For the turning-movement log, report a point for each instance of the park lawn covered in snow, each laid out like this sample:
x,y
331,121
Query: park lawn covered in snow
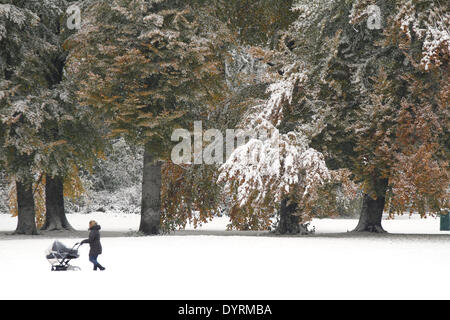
x,y
235,267
118,222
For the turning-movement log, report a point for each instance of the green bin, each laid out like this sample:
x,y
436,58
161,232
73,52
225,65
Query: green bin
x,y
445,222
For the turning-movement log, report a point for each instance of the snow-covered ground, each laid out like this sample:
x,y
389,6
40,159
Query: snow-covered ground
x,y
130,222
235,267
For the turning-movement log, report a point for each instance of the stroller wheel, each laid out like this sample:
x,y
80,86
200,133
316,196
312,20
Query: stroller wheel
x,y
74,268
60,268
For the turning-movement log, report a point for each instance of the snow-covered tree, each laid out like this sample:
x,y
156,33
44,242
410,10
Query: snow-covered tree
x,y
27,49
381,96
190,193
43,134
276,167
371,99
148,67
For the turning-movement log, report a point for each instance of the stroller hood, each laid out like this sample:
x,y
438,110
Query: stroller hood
x,y
58,248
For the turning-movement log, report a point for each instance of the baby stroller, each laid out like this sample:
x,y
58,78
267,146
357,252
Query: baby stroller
x,y
59,256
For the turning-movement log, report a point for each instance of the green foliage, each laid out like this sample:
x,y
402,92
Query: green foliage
x,y
359,84
27,57
256,22
42,128
189,194
148,66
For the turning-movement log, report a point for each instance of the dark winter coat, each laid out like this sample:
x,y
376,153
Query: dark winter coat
x,y
94,241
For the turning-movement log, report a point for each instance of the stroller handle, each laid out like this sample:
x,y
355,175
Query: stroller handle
x,y
76,245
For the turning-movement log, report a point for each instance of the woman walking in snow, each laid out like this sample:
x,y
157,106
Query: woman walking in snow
x,y
94,243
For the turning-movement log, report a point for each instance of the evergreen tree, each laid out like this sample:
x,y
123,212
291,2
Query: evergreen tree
x,y
28,49
256,22
149,67
380,94
190,193
371,99
43,133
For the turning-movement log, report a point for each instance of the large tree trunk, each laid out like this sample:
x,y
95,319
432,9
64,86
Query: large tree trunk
x,y
372,210
151,195
26,223
289,223
55,217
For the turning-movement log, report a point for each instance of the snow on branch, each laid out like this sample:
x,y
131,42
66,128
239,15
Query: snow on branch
x,y
427,21
273,166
